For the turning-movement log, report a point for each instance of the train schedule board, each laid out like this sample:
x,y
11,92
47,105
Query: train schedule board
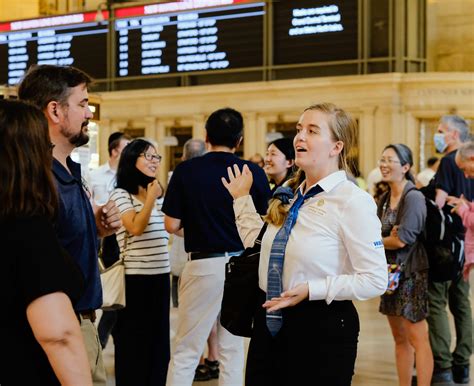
x,y
158,39
75,39
308,31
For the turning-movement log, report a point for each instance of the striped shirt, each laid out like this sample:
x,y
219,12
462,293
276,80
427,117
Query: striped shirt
x,y
146,254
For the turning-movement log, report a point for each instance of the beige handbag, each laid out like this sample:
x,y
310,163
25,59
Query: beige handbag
x,y
113,282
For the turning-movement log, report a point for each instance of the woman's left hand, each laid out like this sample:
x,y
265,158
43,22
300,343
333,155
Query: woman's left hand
x,y
288,298
239,182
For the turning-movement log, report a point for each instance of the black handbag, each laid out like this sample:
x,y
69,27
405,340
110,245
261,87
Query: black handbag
x,y
240,300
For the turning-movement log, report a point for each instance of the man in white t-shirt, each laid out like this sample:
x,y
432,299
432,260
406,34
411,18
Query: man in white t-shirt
x,y
102,179
102,183
425,176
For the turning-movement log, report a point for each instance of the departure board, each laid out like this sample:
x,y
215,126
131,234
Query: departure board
x,y
314,31
74,39
157,41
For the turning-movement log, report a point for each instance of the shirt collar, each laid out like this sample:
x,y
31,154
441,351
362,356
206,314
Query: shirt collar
x,y
107,168
329,182
62,173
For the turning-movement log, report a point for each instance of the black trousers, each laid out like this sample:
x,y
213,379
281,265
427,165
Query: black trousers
x,y
317,345
142,332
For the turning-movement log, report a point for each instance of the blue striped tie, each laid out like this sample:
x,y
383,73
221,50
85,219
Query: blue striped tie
x,y
277,256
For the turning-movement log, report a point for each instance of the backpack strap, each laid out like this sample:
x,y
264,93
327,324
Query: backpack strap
x,y
402,203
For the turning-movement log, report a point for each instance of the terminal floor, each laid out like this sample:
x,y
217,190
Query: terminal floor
x,y
375,364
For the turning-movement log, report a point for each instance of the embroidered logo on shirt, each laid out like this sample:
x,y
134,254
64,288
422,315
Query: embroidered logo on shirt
x,y
317,207
378,244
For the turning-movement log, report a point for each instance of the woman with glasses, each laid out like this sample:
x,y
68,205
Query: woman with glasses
x,y
141,335
402,211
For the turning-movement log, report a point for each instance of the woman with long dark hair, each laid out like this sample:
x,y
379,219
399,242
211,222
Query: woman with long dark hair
x,y
41,340
142,332
402,211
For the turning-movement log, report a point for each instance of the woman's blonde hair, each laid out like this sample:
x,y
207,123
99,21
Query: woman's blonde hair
x,y
343,128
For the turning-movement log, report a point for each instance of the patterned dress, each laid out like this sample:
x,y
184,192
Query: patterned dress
x,y
410,299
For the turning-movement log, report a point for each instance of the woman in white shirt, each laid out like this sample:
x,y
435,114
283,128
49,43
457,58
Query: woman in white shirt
x,y
141,334
333,255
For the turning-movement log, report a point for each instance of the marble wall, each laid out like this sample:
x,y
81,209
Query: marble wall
x,y
450,35
389,108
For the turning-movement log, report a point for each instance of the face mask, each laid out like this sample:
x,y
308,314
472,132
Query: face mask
x,y
439,142
144,180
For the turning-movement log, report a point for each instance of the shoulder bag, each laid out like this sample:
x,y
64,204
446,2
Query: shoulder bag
x,y
113,281
239,302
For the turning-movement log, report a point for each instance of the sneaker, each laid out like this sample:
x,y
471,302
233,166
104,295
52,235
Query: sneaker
x,y
201,374
442,376
461,374
213,368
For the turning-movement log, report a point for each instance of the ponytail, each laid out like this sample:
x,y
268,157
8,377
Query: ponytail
x,y
279,205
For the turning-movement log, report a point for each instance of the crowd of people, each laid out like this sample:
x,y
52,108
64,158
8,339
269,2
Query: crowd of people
x,y
315,258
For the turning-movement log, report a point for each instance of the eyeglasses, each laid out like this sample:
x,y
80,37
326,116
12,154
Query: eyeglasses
x,y
389,161
151,157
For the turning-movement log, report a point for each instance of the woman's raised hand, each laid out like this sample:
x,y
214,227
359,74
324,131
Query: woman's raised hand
x,y
154,189
239,182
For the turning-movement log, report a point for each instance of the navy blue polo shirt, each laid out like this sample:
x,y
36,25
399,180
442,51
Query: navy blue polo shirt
x,y
197,196
77,232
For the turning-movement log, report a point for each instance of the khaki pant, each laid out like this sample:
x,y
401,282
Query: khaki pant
x,y
94,352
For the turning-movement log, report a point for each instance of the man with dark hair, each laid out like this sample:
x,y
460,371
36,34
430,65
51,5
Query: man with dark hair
x,y
424,177
197,201
102,179
453,131
62,94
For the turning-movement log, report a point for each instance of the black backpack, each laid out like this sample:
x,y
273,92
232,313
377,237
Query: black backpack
x,y
442,238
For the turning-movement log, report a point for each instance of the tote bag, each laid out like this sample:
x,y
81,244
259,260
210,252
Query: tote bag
x,y
113,282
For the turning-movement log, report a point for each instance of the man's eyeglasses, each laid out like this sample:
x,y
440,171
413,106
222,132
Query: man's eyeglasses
x,y
389,161
151,157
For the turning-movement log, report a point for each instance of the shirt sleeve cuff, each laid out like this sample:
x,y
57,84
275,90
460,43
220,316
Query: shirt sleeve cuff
x,y
317,289
243,205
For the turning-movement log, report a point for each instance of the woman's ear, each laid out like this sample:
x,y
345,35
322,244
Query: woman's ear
x,y
406,168
337,149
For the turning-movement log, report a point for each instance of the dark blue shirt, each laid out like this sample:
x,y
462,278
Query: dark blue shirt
x,y
77,232
197,196
451,179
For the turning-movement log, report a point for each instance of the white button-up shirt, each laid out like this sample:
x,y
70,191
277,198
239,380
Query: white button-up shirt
x,y
102,182
335,245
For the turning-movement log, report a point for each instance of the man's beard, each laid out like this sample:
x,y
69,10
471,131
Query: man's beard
x,y
80,138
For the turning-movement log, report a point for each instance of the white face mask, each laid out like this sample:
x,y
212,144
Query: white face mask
x,y
440,142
